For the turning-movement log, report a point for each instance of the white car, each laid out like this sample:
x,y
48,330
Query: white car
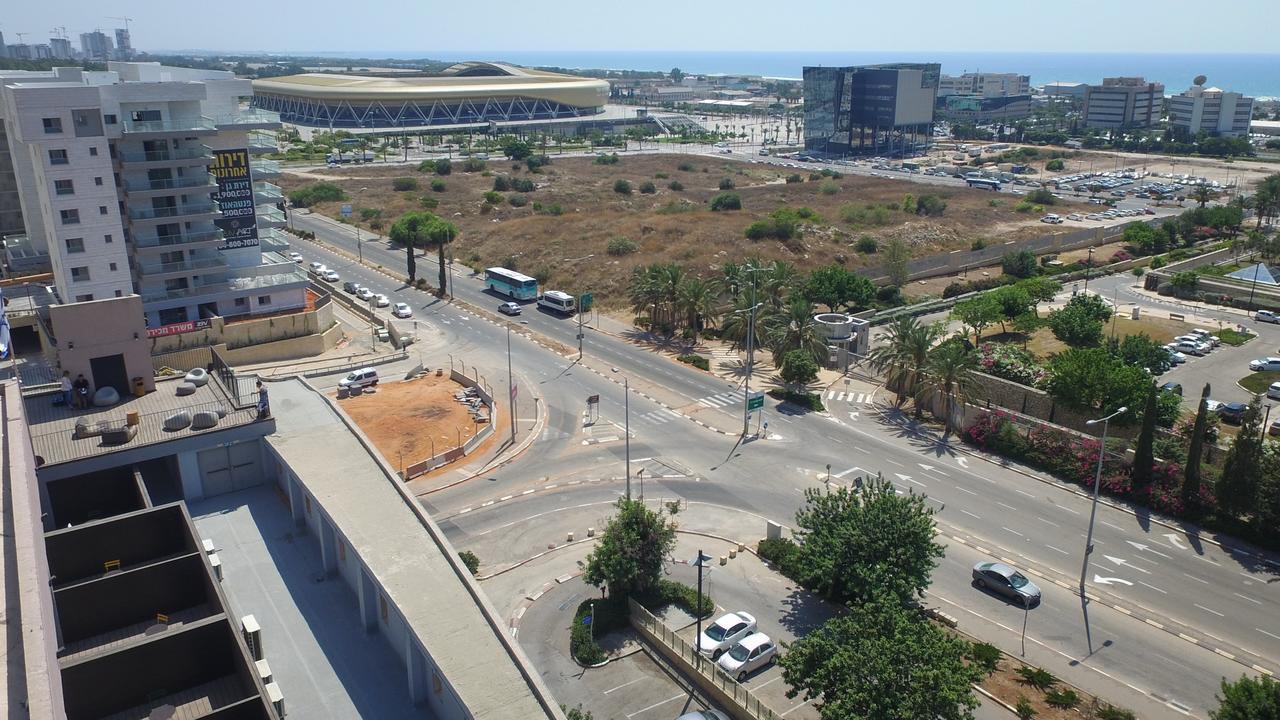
x,y
1266,316
401,310
381,300
751,654
1175,357
1267,364
1075,216
1191,347
1051,219
364,293
1195,339
725,632
362,378
1206,337
317,266
1273,391
296,257
329,276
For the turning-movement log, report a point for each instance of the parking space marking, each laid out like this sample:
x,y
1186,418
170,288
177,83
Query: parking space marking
x,y
633,682
794,707
664,702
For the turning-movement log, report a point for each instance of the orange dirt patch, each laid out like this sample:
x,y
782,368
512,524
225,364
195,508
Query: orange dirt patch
x,y
407,420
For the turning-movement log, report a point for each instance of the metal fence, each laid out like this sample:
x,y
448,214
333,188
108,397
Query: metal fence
x,y
678,650
182,360
240,390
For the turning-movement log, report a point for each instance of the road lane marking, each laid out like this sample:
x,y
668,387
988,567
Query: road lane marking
x,y
1153,587
966,490
795,707
1215,612
1007,507
1246,597
966,512
1193,577
1188,638
1113,527
1264,632
1064,552
775,679
530,490
1015,532
895,462
1024,492
633,682
1064,507
664,702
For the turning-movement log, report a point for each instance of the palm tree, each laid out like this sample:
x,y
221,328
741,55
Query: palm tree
x,y
776,281
737,321
904,354
793,328
1202,194
698,300
646,292
948,375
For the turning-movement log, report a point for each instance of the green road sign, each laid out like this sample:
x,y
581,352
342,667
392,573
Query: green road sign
x,y
584,302
755,402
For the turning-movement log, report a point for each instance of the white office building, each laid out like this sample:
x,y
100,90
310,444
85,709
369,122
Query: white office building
x,y
140,180
1122,103
1210,109
985,85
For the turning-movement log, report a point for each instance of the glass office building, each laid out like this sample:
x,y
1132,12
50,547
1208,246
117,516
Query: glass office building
x,y
870,109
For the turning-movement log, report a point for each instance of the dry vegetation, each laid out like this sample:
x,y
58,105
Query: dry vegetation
x,y
670,225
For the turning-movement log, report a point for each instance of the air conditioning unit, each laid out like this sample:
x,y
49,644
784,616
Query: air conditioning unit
x,y
252,636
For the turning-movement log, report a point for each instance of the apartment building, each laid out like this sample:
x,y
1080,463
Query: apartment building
x,y
1210,109
141,179
870,109
1122,103
985,85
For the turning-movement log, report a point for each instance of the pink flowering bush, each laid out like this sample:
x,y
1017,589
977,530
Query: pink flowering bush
x,y
1010,363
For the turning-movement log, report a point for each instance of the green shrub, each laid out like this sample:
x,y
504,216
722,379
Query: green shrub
x,y
493,198
537,162
437,185
866,244
375,224
829,188
811,401
518,200
316,193
1157,262
675,185
611,159
647,188
697,361
1138,271
794,178
660,176
978,244
524,185
369,213
427,166
1042,196
443,167
1111,712
429,203
1065,698
985,656
1024,207
1054,165
470,560
995,203
622,187
1023,709
404,184
1038,678
471,165
501,183
606,616
622,246
685,167
726,201
782,552
552,209
726,183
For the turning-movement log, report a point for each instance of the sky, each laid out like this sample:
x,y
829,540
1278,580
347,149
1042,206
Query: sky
x,y
432,26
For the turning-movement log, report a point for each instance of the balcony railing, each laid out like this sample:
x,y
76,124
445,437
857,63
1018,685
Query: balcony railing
x,y
248,117
220,283
264,167
166,154
174,211
263,142
265,191
192,265
273,240
178,239
171,125
271,216
170,184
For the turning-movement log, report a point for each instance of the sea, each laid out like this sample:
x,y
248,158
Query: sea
x,y
1257,75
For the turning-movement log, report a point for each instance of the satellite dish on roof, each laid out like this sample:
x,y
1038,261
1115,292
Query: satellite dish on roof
x,y
1200,80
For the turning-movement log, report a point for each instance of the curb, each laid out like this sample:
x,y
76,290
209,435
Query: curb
x,y
994,699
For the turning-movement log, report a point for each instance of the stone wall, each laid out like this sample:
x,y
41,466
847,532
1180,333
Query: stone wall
x,y
246,333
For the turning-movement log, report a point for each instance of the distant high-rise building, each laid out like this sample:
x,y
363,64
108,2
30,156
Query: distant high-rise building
x,y
61,48
42,52
987,85
124,48
4,52
1210,109
1121,103
95,45
21,51
870,109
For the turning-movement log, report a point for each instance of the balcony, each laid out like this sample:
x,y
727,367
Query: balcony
x,y
273,240
264,168
217,284
200,155
141,186
172,126
191,240
262,142
270,219
248,119
265,192
152,270
188,211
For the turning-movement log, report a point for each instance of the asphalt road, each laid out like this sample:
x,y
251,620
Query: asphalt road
x,y
1179,595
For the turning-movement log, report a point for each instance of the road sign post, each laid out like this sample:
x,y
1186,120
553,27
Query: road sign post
x,y
755,402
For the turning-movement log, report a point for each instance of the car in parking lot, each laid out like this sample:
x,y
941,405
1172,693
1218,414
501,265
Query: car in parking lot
x,y
725,632
1274,428
1273,390
317,266
748,655
1266,364
351,286
381,300
1051,219
1191,347
1232,412
1173,387
1005,580
1075,216
402,310
509,308
707,714
1175,357
1206,337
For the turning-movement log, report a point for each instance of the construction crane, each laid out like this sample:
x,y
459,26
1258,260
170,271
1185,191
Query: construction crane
x,y
60,32
22,37
125,19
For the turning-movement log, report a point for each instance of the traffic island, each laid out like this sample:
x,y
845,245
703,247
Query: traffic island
x,y
598,622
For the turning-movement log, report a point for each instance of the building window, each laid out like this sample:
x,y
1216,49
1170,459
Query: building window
x,y
84,298
52,125
93,151
70,217
119,293
64,187
264,299
241,302
57,157
109,119
80,274
107,239
102,209
97,181
112,267
75,245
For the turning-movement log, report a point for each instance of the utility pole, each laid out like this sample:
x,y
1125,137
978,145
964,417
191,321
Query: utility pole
x,y
751,336
511,383
626,405
1093,512
579,331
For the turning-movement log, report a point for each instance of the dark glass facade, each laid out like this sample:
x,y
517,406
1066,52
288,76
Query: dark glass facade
x,y
870,110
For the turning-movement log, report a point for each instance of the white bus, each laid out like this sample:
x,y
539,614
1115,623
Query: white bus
x,y
557,301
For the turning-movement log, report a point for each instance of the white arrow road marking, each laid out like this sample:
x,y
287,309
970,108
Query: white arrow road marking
x,y
964,462
1173,538
855,468
1098,579
926,467
909,479
1122,561
1147,548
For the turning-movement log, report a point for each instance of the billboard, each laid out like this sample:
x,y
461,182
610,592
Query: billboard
x,y
179,328
235,196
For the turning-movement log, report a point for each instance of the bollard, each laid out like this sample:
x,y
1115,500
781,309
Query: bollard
x,y
591,532
733,553
741,547
570,537
724,560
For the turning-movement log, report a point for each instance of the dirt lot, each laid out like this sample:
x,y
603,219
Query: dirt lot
x,y
406,420
671,225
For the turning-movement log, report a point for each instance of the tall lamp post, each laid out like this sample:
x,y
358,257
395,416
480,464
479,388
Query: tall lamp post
x,y
751,336
1093,510
701,561
359,244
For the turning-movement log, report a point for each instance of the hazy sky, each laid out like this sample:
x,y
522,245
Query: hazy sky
x,y
424,26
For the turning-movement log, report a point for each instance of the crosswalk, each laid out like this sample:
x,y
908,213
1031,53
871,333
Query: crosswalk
x,y
852,397
724,399
658,417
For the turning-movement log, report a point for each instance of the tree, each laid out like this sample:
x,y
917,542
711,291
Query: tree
x,y
1202,194
441,232
1075,326
676,75
865,543
881,660
798,368
948,376
977,313
1094,380
1248,699
697,300
1142,351
896,256
903,354
794,329
412,230
1020,264
1055,165
630,554
1191,479
515,148
1237,489
837,288
1013,300
1144,238
1143,457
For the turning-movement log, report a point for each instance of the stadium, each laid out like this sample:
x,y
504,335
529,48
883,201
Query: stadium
x,y
469,93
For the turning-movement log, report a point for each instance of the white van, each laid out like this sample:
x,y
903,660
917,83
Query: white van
x,y
557,301
362,378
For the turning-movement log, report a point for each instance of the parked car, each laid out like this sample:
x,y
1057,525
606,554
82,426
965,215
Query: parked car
x,y
707,714
1175,357
352,287
1173,387
1191,347
402,310
381,300
725,632
295,257
1274,428
1266,316
317,266
750,654
1273,391
1075,216
330,276
1265,364
1206,337
362,378
1051,219
1232,412
1003,579
365,294
509,308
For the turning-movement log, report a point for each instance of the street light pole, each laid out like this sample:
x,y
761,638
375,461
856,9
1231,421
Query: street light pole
x,y
751,336
626,411
1093,511
697,611
511,387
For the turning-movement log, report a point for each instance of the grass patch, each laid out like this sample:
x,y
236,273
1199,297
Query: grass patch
x,y
811,401
697,361
611,614
1258,382
1233,337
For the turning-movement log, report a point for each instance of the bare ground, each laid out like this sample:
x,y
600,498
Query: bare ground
x,y
407,420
